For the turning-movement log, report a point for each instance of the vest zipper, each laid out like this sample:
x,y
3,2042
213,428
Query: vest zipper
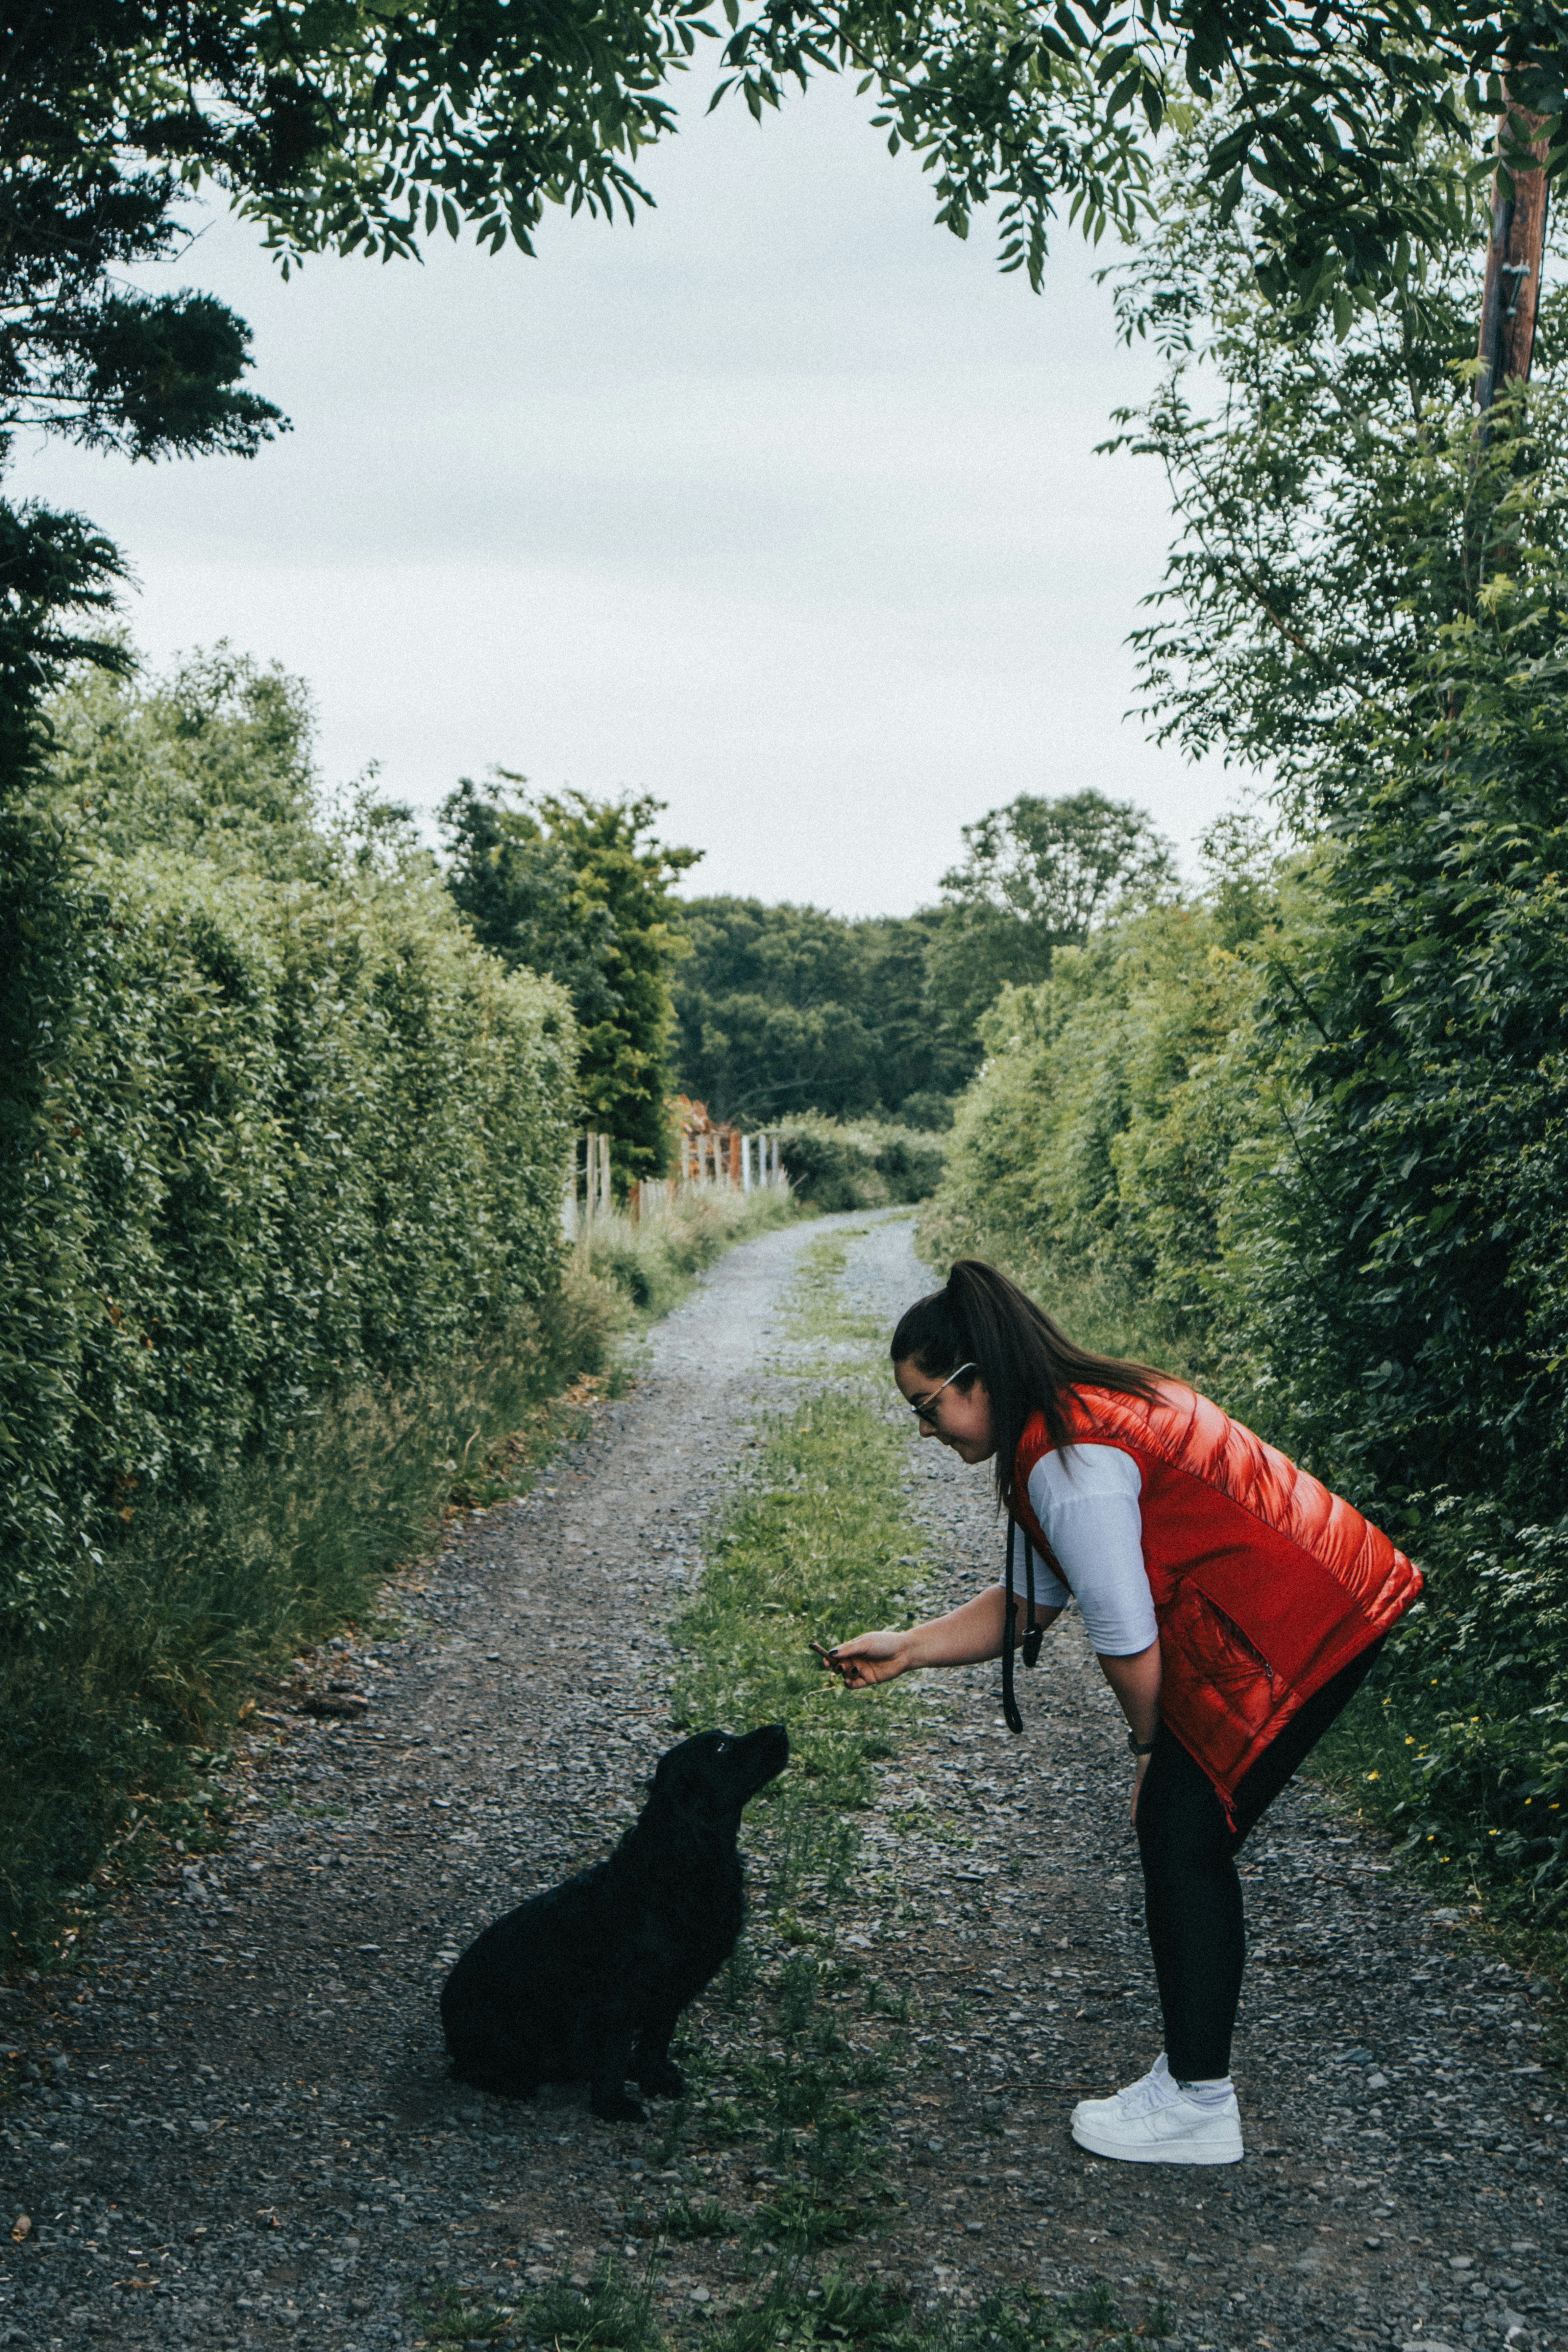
x,y
1232,1627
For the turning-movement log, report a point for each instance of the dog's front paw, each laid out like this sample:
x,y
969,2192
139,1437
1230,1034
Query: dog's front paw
x,y
618,2107
661,2078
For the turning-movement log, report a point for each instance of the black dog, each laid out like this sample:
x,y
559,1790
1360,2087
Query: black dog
x,y
589,1979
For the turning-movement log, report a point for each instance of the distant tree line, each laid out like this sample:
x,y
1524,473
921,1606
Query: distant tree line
x,y
762,1012
782,1009
772,1010
787,1008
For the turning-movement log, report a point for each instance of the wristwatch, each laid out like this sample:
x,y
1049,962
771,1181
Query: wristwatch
x,y
1139,1747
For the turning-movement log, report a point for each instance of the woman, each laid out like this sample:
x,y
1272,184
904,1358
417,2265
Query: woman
x,y
1234,1605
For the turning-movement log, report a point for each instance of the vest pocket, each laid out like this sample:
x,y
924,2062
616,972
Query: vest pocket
x,y
1235,1637
1220,1691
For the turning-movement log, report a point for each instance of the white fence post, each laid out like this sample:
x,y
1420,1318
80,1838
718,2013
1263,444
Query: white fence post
x,y
746,1163
587,1193
569,1194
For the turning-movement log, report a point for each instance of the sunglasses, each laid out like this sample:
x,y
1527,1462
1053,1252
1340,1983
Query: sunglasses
x,y
926,1413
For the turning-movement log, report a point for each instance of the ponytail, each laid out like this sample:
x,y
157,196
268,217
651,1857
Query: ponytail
x,y
1025,1360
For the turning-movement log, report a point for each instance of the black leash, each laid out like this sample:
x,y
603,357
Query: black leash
x,y
1033,1634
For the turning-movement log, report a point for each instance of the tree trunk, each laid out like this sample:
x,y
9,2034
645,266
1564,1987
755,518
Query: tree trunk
x,y
1513,262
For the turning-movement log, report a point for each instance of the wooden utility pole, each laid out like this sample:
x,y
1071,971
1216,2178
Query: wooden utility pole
x,y
1518,238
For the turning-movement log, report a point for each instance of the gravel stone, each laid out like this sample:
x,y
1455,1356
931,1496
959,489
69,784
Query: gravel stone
x,y
233,2125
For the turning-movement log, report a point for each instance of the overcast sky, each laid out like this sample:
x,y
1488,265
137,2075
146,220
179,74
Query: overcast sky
x,y
781,505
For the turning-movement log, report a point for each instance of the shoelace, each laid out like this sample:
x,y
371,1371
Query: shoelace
x,y
1153,2091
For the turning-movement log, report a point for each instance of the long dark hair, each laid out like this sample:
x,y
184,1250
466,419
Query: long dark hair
x,y
1025,1360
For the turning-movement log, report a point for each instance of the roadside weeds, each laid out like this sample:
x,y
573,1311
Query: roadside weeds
x,y
114,1725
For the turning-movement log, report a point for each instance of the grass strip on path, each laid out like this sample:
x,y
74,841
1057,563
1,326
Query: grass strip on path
x,y
819,1544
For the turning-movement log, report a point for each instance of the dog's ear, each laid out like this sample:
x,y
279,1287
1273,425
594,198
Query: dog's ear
x,y
688,1776
672,1775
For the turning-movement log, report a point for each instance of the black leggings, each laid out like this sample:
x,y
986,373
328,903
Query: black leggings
x,y
1192,1894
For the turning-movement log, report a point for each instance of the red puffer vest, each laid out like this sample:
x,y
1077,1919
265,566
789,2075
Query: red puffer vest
x,y
1264,1584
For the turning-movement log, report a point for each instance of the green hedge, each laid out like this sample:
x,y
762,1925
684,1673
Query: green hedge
x,y
834,1166
262,1140
1095,1151
1140,1153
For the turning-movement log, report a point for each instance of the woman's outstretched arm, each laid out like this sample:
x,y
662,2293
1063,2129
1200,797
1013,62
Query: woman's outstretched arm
x,y
960,1639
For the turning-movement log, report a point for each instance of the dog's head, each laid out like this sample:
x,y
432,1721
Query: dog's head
x,y
713,1776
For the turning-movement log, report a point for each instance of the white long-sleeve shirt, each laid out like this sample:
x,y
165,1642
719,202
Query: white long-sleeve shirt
x,y
1086,1498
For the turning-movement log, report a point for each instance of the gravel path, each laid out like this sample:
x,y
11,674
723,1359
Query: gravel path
x,y
233,2125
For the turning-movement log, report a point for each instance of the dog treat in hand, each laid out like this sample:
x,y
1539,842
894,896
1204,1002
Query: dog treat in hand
x,y
587,1982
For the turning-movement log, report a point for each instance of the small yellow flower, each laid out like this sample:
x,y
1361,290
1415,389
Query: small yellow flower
x,y
1410,1740
1374,1776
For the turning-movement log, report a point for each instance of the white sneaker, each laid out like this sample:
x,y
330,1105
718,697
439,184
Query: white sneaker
x,y
1154,2121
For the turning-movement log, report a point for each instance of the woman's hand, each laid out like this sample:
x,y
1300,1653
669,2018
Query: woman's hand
x,y
962,1638
869,1658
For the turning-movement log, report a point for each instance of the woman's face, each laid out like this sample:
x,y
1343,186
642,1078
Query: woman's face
x,y
959,1417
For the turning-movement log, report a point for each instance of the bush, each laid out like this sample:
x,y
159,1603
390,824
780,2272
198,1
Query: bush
x,y
281,1274
650,1261
108,1717
263,1143
1400,1263
1321,1173
104,1714
1396,1271
833,1166
1092,1154
929,1111
1461,1744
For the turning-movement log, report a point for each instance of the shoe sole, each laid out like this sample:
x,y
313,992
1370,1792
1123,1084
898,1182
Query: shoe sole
x,y
1174,2151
